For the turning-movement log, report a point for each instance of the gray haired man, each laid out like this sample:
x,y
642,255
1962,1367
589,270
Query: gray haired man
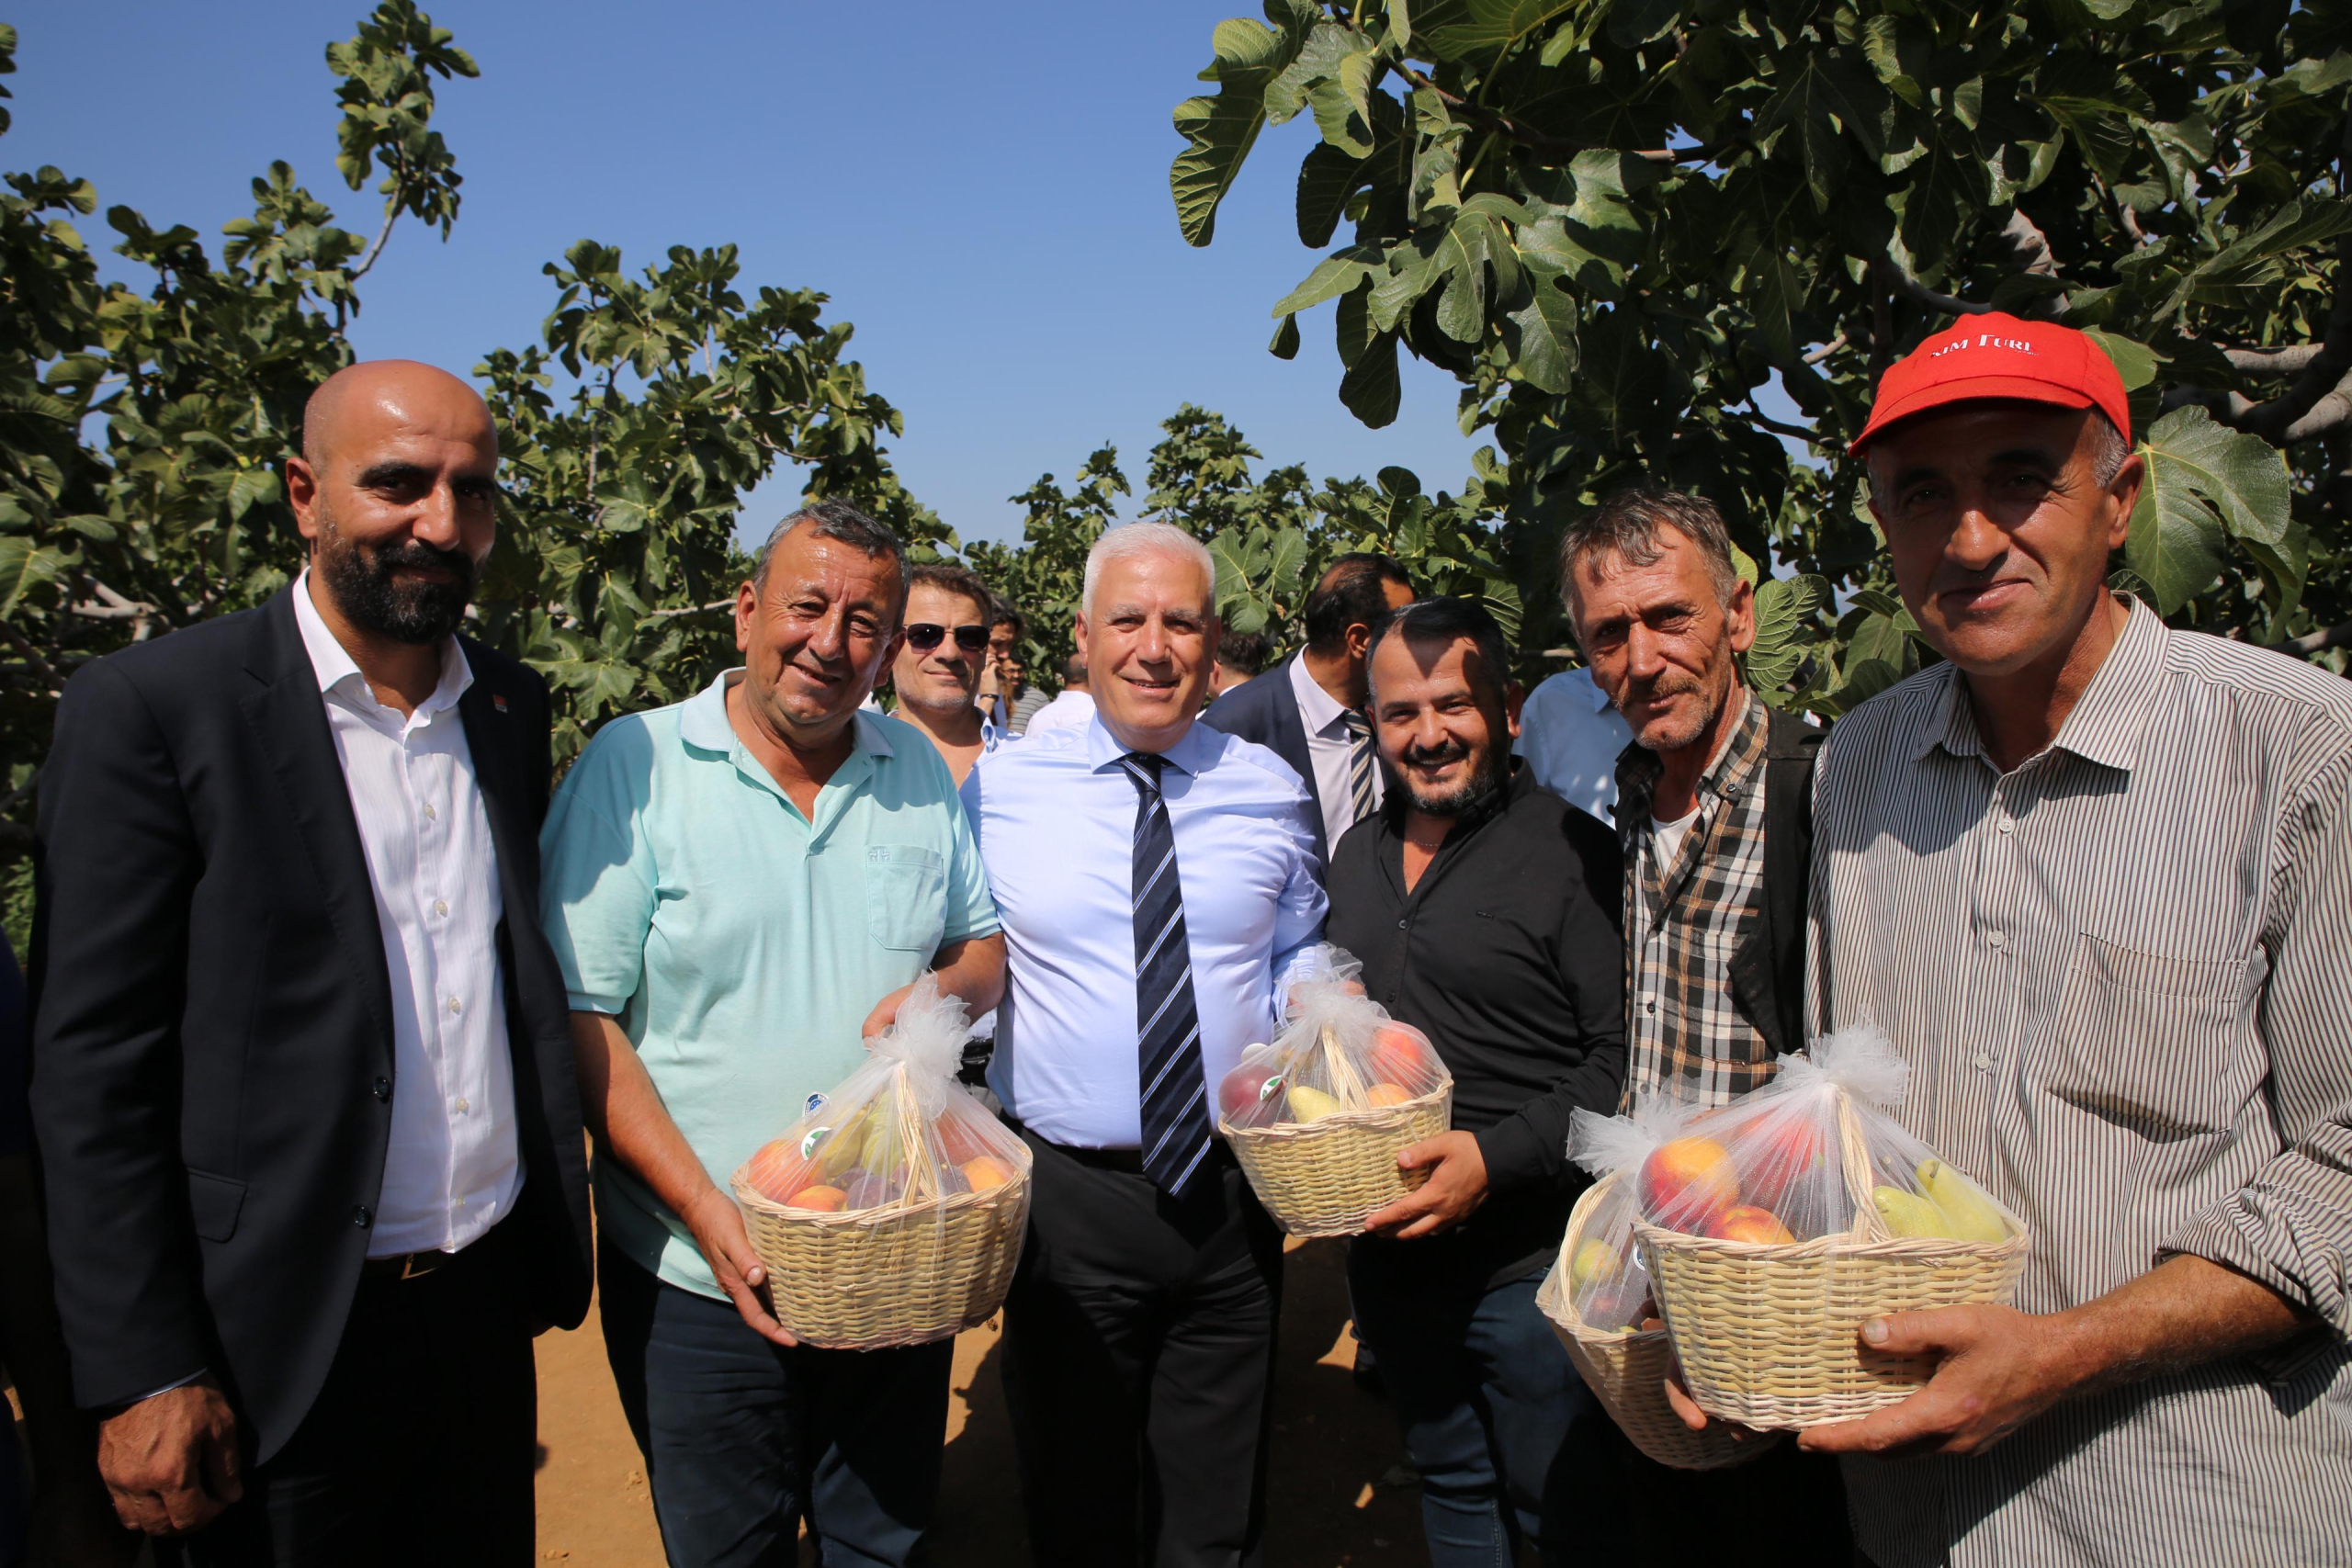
x,y
1714,808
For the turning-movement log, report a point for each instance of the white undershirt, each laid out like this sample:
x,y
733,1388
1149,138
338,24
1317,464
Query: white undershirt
x,y
1666,838
451,1168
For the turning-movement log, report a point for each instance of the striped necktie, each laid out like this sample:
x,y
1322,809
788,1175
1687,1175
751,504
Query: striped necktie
x,y
1168,1026
1359,764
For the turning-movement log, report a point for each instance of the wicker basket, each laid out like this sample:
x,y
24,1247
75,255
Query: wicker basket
x,y
1326,1177
1769,1335
1627,1368
923,1268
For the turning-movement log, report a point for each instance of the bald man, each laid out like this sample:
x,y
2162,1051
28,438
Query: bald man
x,y
302,1060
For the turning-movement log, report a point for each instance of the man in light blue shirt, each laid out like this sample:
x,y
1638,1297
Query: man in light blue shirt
x,y
1158,882
1571,739
740,888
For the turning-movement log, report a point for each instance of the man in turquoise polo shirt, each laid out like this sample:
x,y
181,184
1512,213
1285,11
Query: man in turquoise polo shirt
x,y
740,888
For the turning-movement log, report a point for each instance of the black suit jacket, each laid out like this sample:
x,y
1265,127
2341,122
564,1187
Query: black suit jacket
x,y
1264,709
212,1037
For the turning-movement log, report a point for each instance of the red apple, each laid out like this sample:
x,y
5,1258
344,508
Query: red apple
x,y
1746,1221
1246,1087
1778,1157
1686,1183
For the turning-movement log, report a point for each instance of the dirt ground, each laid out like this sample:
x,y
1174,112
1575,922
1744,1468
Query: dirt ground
x,y
1341,1494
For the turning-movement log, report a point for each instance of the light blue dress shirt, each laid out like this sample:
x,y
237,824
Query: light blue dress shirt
x,y
1055,817
740,943
1571,737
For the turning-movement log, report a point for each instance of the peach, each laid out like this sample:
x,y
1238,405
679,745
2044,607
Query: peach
x,y
1746,1221
986,1173
1686,1183
821,1197
777,1169
1387,1094
1400,1055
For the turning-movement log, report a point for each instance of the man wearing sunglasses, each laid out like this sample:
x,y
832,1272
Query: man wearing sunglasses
x,y
937,671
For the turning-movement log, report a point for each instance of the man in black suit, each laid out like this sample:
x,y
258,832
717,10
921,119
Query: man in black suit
x,y
302,1059
1309,710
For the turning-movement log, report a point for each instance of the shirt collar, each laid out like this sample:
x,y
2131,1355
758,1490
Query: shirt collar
x,y
1315,706
333,665
702,723
1726,776
2105,723
1591,689
1193,752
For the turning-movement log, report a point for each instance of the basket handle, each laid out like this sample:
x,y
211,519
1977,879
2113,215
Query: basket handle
x,y
1854,1152
922,1172
1344,1076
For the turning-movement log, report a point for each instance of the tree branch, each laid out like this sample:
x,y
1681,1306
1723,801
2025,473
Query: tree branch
x,y
1503,125
1825,350
689,610
1918,293
1762,421
2273,361
42,667
2316,642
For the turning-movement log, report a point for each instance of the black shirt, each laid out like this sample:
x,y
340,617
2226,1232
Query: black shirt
x,y
1507,955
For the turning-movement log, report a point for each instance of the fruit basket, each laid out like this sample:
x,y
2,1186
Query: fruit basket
x,y
1776,1226
893,1211
1623,1363
1317,1118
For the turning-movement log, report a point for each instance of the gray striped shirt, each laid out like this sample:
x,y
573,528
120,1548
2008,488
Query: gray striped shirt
x,y
2123,974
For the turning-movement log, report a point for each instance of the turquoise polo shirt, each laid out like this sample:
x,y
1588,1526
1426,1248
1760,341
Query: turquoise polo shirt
x,y
740,943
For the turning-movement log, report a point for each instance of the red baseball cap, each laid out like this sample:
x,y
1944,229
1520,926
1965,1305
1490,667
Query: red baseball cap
x,y
1997,355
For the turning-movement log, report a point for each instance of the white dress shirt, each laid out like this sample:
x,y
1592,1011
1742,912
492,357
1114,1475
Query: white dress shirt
x,y
1074,709
1329,748
1055,821
452,1168
1571,737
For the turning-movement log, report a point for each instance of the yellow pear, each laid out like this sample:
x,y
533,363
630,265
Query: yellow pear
x,y
1907,1213
1972,1217
1592,1260
1312,1104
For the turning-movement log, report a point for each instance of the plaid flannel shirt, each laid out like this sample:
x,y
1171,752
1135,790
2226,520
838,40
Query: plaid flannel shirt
x,y
1685,1032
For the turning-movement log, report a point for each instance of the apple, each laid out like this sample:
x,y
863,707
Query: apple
x,y
1746,1221
1593,1262
1686,1183
1247,1087
1777,1158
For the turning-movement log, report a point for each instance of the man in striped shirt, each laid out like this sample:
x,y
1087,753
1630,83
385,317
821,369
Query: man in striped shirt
x,y
2093,877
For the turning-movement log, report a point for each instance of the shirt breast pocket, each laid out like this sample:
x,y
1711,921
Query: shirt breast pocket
x,y
2149,1042
906,896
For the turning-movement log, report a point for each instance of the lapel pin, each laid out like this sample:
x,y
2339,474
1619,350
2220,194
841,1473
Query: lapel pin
x,y
499,702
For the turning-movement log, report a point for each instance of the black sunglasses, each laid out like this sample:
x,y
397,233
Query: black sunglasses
x,y
924,636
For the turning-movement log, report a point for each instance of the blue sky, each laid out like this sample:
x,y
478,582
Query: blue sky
x,y
981,189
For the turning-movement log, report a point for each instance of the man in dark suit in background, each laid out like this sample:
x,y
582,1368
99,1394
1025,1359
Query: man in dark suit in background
x,y
302,1060
1309,710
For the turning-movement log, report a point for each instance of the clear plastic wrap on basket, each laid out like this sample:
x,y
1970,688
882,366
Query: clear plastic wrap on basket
x,y
1317,1116
1774,1227
1598,1294
892,1212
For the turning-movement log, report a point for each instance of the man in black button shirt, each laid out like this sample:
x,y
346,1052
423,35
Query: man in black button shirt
x,y
1485,910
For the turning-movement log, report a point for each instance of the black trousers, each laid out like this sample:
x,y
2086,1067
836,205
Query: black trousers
x,y
420,1448
1138,1344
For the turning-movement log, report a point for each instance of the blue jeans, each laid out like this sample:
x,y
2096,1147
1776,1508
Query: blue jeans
x,y
1494,1415
743,1438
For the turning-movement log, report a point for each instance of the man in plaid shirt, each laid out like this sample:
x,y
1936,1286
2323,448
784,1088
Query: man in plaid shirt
x,y
1713,797
1715,810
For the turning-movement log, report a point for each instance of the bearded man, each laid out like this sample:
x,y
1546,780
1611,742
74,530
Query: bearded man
x,y
1484,911
302,1064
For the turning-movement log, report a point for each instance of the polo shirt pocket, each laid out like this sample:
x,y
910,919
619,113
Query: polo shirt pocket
x,y
906,896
